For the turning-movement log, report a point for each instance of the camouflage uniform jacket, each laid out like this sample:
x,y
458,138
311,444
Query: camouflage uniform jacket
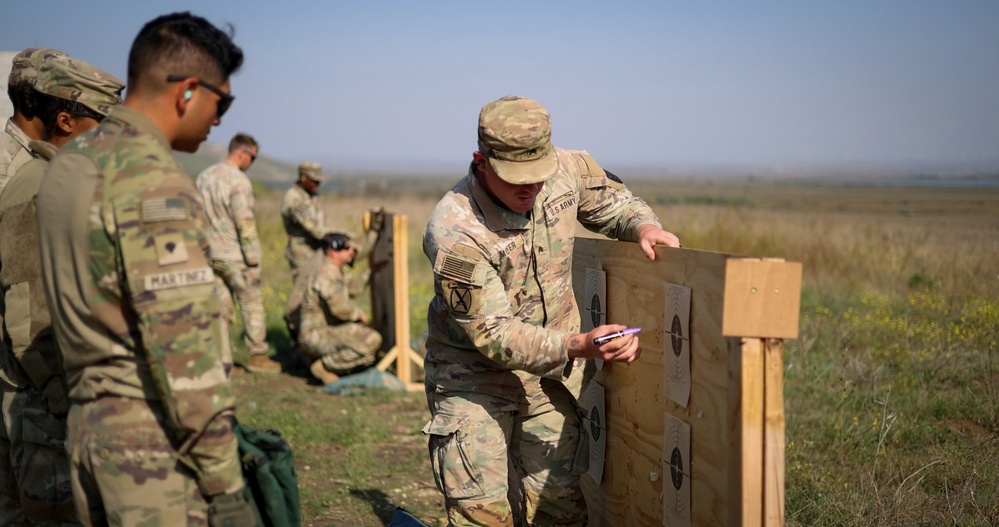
x,y
125,260
30,357
228,199
304,221
328,298
503,305
14,152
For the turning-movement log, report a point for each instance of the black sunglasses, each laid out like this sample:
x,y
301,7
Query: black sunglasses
x,y
225,99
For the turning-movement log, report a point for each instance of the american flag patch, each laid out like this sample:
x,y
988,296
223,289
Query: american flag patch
x,y
457,268
164,209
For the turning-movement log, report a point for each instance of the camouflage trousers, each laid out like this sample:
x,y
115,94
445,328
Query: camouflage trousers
x,y
231,280
11,512
37,458
500,463
342,348
124,469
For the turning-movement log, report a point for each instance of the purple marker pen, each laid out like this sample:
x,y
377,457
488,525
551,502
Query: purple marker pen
x,y
604,339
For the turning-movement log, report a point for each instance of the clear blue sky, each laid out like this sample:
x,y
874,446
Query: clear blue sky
x,y
657,83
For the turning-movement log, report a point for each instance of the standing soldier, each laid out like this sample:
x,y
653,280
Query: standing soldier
x,y
23,126
304,221
72,97
20,129
503,323
334,331
125,260
236,257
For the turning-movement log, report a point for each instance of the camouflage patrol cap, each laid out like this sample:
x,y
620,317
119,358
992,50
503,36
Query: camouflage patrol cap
x,y
24,66
515,133
311,170
75,80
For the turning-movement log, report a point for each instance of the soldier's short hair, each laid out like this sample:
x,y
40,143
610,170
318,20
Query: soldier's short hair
x,y
23,98
242,140
182,44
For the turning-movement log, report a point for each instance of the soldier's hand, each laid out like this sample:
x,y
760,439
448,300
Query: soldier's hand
x,y
231,510
252,276
649,236
623,349
57,395
377,220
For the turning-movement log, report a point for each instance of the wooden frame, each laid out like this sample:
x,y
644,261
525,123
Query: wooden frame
x,y
740,309
390,298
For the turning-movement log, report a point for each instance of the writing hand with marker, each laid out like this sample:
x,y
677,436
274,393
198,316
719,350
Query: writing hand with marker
x,y
610,342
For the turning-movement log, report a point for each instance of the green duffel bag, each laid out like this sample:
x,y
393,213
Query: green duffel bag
x,y
269,469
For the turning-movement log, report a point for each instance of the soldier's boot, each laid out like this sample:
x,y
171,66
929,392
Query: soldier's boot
x,y
320,372
263,364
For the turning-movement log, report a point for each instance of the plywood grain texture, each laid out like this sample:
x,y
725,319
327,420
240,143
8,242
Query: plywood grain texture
x,y
736,402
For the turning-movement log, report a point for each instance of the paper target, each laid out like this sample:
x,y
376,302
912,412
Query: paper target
x,y
676,467
595,424
595,296
596,299
676,360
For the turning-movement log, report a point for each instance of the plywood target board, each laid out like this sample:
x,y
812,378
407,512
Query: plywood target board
x,y
733,410
383,308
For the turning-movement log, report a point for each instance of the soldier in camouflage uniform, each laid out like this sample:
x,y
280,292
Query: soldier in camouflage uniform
x,y
126,269
303,217
73,98
334,331
504,353
21,128
236,256
355,283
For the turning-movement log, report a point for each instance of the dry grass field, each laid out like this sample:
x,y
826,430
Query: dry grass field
x,y
892,388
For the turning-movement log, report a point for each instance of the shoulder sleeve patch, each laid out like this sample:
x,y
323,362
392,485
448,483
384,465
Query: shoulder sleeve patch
x,y
459,267
163,209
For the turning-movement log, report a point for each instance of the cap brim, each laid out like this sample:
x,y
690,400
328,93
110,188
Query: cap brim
x,y
526,172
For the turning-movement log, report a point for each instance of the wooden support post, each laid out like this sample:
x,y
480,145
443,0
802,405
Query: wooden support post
x,y
401,353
